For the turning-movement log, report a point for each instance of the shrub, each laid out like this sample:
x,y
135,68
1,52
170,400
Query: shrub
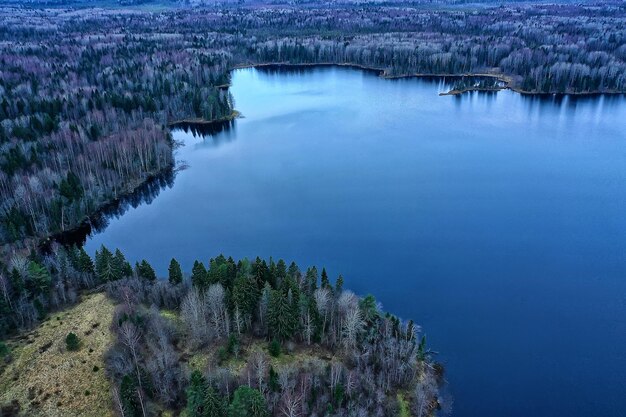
x,y
71,341
95,368
274,348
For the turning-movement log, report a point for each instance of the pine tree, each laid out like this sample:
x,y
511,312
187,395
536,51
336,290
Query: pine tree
x,y
293,271
72,342
121,266
39,278
311,280
282,317
199,278
84,262
105,267
145,271
339,285
261,273
273,382
214,405
71,188
281,272
231,274
245,295
369,308
247,402
325,283
290,285
128,394
222,271
174,272
196,395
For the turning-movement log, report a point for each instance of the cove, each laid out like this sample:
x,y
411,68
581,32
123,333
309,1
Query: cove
x,y
495,220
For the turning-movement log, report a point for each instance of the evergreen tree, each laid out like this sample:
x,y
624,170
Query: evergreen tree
x,y
281,272
231,273
199,278
84,262
196,395
174,272
261,273
369,308
72,342
290,286
325,283
70,187
222,271
421,349
310,317
273,382
145,271
310,280
128,394
293,271
214,404
39,278
339,285
245,295
247,402
121,266
282,317
105,266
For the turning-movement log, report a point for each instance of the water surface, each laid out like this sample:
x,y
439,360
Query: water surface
x,y
497,221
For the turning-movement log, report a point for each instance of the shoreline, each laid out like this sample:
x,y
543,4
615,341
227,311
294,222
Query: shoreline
x,y
86,224
204,122
382,73
42,243
89,220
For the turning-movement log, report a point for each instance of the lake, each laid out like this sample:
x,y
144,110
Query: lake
x,y
496,221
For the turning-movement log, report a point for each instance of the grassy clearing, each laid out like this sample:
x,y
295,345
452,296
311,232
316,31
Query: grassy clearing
x,y
48,380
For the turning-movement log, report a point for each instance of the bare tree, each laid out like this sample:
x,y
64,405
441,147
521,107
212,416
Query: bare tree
x,y
291,404
217,308
193,312
130,337
353,325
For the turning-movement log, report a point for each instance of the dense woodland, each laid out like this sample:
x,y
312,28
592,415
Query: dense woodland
x,y
86,95
83,118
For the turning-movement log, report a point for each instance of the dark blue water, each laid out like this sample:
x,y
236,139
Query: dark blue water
x,y
496,221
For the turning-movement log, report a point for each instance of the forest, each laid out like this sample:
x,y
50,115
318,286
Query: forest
x,y
88,99
88,95
235,338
